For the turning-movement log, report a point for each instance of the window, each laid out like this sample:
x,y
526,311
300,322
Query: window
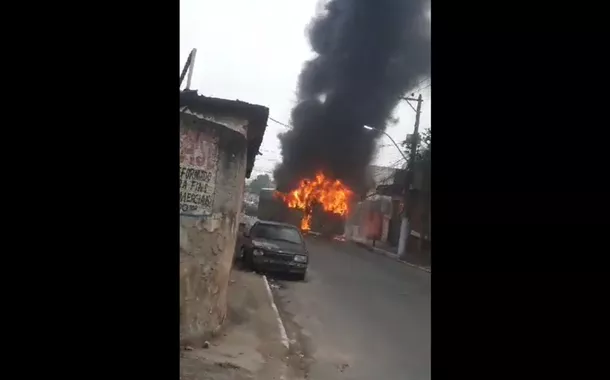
x,y
271,232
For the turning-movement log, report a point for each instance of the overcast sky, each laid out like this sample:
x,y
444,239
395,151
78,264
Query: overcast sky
x,y
253,50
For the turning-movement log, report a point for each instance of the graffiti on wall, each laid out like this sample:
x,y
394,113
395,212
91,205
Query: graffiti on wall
x,y
198,164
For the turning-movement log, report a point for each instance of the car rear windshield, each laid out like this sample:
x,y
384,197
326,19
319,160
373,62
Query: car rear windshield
x,y
267,231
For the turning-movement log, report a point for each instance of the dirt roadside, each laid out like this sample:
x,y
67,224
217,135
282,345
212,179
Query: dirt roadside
x,y
249,343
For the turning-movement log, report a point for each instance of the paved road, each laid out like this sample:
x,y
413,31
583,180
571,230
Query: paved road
x,y
359,315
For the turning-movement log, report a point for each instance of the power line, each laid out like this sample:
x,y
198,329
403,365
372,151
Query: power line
x,y
280,123
420,83
393,165
380,146
417,88
423,88
384,181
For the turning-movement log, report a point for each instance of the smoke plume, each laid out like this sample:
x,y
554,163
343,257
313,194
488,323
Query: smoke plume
x,y
369,54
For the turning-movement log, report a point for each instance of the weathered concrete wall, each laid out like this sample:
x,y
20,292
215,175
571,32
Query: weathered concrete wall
x,y
372,214
212,170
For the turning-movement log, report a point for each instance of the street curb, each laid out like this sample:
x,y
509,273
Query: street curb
x,y
394,257
390,255
283,334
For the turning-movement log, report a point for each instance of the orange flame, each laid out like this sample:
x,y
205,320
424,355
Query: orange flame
x,y
306,222
333,195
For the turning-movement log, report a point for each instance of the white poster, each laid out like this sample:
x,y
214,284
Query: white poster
x,y
198,164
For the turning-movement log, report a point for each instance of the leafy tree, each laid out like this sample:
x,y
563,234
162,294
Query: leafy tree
x,y
260,182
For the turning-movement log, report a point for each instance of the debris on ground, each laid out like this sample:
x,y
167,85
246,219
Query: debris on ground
x,y
274,284
206,344
227,365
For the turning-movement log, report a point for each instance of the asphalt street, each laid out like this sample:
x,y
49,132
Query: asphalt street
x,y
358,315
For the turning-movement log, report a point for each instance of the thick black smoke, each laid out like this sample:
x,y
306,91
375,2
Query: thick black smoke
x,y
369,54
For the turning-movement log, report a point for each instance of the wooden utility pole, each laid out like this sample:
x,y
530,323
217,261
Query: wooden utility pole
x,y
406,225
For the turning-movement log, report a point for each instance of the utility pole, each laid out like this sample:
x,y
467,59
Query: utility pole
x,y
188,67
405,225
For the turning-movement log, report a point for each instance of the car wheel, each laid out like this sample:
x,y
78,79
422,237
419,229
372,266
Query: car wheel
x,y
300,276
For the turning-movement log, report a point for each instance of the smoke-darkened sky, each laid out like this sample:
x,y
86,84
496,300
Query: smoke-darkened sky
x,y
368,55
277,46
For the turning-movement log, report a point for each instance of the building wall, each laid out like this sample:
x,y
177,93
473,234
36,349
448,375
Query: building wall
x,y
212,170
369,218
358,224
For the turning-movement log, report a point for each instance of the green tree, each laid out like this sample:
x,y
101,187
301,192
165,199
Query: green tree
x,y
260,182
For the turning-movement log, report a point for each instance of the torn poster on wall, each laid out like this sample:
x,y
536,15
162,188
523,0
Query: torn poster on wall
x,y
198,164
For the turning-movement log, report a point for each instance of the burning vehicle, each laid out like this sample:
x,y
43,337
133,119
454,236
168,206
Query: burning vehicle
x,y
321,194
271,208
319,204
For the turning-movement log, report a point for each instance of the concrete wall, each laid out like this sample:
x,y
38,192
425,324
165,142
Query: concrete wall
x,y
357,223
212,170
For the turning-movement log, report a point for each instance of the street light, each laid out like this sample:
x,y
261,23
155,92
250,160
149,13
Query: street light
x,y
390,137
